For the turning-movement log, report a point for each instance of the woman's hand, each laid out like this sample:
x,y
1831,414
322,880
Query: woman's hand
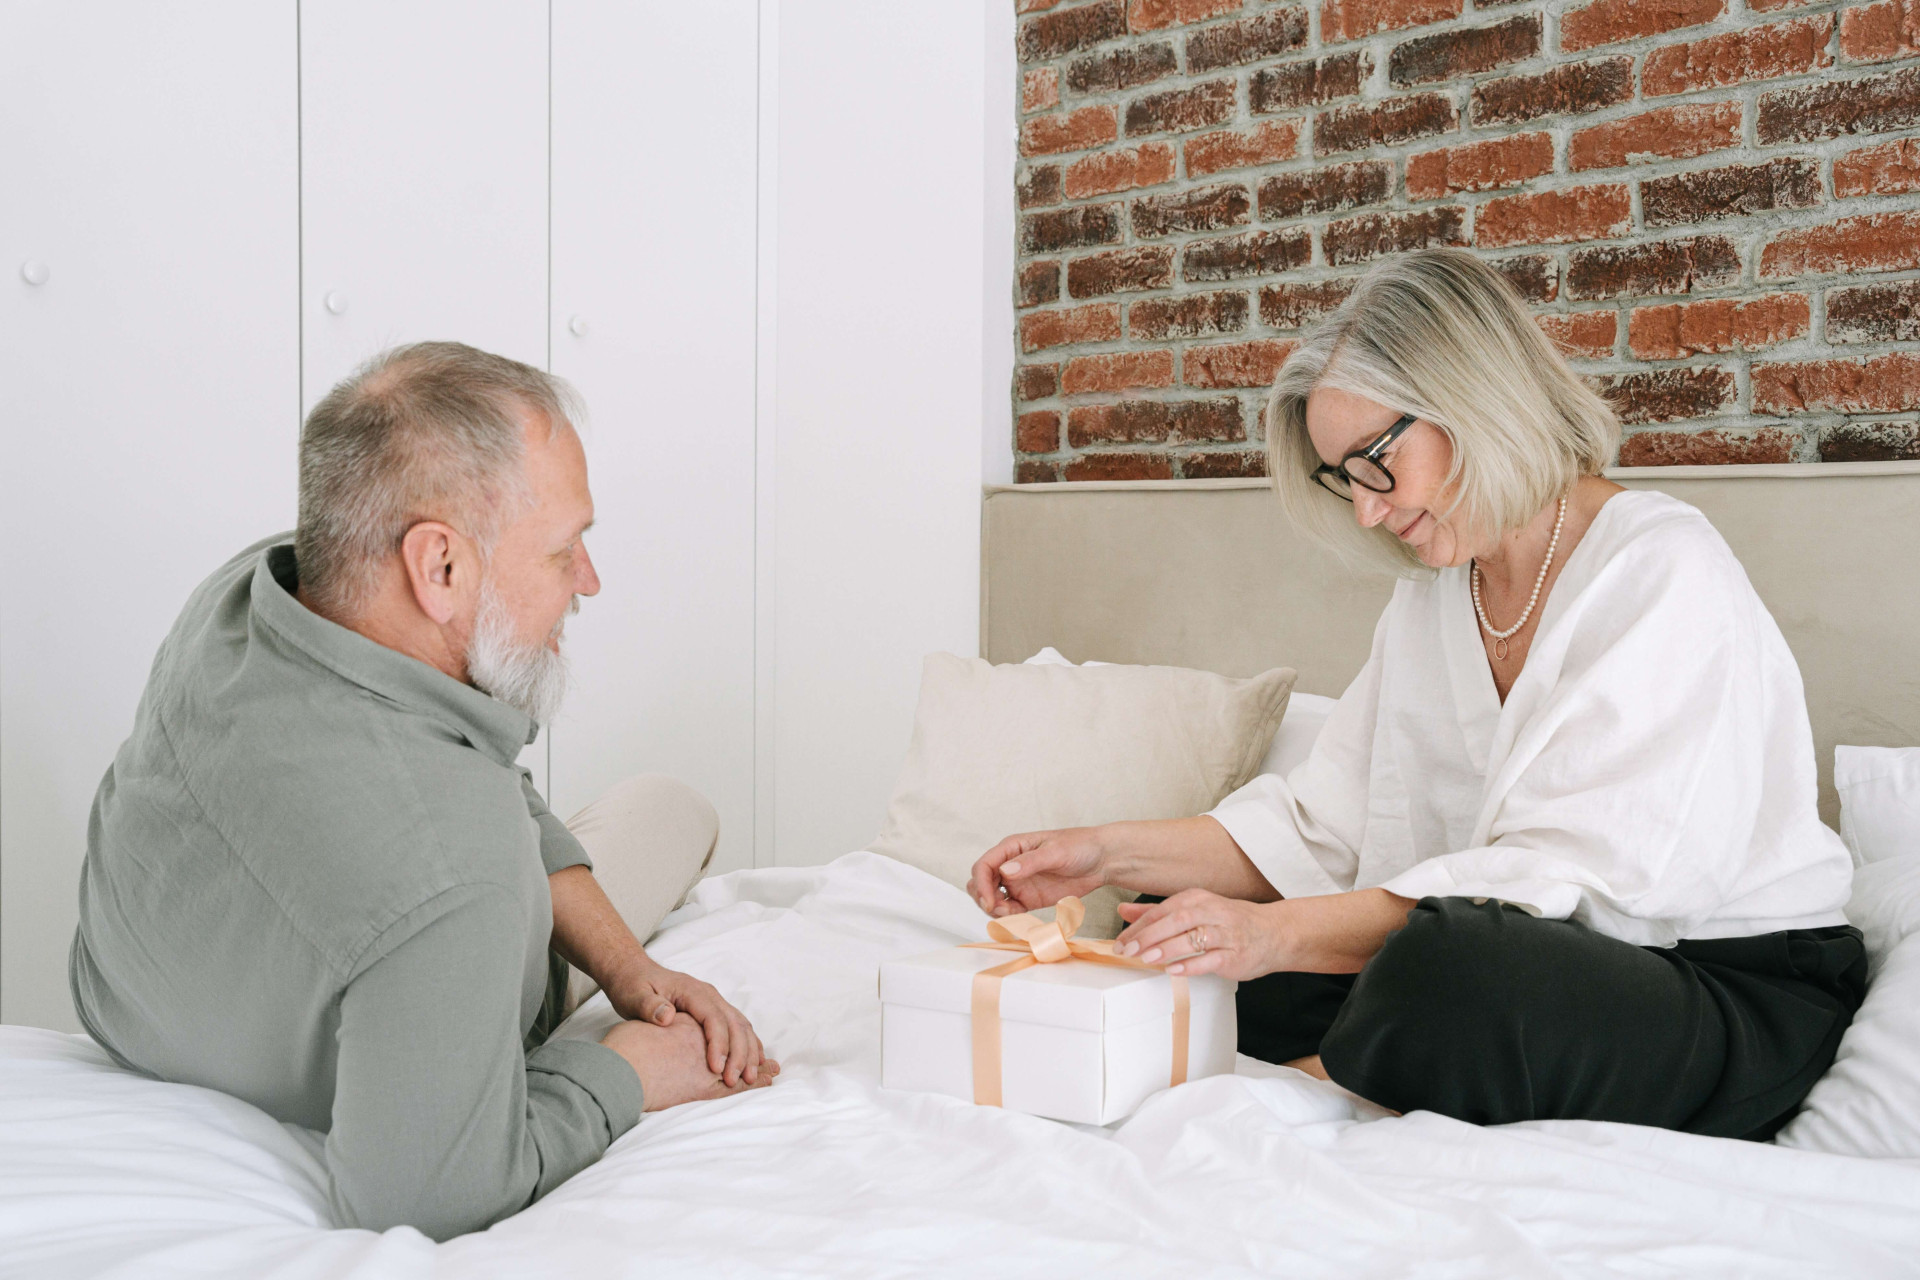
x,y
1196,932
1026,872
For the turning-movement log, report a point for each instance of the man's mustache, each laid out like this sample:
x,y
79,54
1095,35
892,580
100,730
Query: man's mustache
x,y
560,627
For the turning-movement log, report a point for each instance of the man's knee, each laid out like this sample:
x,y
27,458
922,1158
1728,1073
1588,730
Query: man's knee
x,y
685,819
650,838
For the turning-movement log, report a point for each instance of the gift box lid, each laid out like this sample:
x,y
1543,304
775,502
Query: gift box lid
x,y
1080,995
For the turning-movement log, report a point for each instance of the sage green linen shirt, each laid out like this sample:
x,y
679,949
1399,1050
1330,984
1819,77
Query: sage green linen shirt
x,y
316,880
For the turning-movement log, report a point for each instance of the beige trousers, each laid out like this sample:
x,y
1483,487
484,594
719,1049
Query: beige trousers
x,y
650,838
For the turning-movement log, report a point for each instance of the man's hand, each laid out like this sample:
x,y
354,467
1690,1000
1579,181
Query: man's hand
x,y
590,935
668,1061
654,994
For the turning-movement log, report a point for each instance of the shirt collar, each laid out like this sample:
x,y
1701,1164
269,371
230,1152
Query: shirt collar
x,y
487,724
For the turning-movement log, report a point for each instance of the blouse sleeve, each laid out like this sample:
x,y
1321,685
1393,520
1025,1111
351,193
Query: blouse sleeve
x,y
1303,832
1631,791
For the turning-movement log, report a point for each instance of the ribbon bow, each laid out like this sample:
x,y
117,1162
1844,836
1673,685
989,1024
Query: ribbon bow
x,y
1049,942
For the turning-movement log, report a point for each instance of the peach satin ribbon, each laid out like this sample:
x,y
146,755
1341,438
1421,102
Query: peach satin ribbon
x,y
1049,942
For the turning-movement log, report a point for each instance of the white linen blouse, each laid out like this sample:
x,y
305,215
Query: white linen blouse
x,y
1650,774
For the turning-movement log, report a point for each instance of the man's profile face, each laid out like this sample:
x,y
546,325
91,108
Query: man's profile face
x,y
541,563
539,570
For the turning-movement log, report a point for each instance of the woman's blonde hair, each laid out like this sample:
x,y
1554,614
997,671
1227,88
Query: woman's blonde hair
x,y
1441,335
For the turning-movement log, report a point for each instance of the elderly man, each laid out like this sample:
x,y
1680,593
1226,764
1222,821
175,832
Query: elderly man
x,y
316,879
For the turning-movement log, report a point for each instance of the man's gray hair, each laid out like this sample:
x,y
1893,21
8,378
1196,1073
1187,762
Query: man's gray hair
x,y
429,431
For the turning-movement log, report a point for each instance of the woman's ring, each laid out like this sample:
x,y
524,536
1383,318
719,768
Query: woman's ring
x,y
1197,939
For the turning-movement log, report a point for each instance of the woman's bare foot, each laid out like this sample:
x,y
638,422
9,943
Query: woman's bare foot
x,y
671,1062
1311,1066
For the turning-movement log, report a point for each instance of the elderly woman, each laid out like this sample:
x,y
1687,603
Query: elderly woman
x,y
1555,854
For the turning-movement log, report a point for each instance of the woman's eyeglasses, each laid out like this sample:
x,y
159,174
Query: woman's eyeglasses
x,y
1363,466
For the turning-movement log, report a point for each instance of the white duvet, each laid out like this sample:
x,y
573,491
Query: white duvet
x,y
106,1174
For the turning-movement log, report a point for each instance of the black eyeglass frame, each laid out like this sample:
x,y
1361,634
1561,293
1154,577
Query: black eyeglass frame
x,y
1328,476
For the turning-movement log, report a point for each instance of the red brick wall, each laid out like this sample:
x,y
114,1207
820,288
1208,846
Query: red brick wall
x,y
1714,206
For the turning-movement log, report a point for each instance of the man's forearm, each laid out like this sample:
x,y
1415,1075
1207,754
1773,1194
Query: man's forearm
x,y
592,937
589,934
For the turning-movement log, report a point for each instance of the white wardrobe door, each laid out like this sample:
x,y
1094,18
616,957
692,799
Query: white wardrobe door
x,y
423,135
423,199
149,354
654,121
878,456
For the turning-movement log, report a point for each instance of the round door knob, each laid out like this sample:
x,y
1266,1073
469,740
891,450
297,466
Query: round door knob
x,y
335,301
33,271
577,327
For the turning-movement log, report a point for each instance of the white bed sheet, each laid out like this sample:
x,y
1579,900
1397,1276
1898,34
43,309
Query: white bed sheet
x,y
103,1173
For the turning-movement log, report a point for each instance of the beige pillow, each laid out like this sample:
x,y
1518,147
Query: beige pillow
x,y
999,750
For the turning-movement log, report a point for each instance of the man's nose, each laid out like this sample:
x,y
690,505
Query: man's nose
x,y
1369,508
586,579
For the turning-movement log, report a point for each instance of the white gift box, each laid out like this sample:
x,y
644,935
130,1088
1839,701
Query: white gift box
x,y
1080,1040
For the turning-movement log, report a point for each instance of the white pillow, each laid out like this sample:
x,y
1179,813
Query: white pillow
x,y
1052,657
1879,800
1868,1104
1306,715
997,750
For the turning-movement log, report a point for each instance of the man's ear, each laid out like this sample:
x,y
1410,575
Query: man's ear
x,y
439,563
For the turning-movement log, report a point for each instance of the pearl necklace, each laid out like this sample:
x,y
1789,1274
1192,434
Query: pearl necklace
x,y
1473,579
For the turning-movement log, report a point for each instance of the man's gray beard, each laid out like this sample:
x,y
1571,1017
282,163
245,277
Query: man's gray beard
x,y
529,678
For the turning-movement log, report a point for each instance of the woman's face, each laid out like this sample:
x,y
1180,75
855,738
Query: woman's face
x,y
1339,422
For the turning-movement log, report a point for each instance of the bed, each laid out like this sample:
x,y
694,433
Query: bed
x,y
103,1173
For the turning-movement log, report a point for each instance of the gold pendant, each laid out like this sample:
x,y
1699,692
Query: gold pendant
x,y
1500,650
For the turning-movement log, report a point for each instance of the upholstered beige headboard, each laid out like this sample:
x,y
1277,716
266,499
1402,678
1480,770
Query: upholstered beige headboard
x,y
1206,573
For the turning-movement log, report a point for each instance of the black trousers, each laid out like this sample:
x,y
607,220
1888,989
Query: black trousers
x,y
1490,1015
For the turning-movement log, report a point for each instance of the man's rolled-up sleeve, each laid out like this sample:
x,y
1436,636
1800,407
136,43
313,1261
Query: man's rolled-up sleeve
x,y
440,1120
559,847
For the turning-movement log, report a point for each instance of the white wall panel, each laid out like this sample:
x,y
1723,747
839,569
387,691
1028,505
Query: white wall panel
x,y
654,170
766,379
790,296
150,385
879,452
1000,154
423,136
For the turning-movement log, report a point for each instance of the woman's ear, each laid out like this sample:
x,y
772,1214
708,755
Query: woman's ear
x,y
441,569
